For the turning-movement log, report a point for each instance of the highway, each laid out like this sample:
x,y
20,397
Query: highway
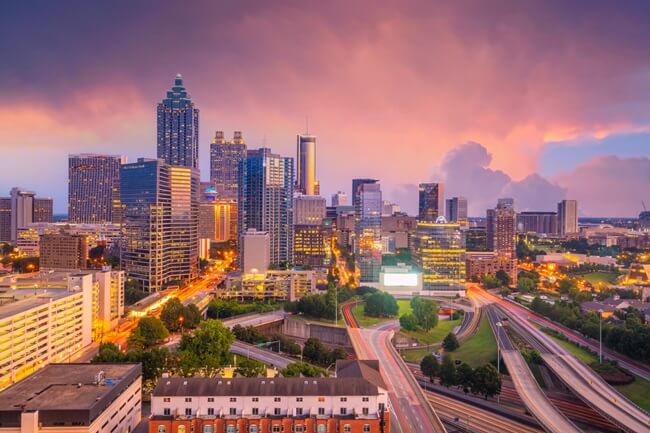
x,y
262,355
254,319
582,380
549,417
413,413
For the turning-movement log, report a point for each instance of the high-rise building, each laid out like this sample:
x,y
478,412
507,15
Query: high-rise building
x,y
5,219
399,228
255,252
306,164
265,200
63,251
178,128
537,222
43,210
501,229
309,234
367,211
160,222
22,210
225,157
456,210
308,209
94,188
439,251
389,208
339,199
218,220
476,239
431,201
567,216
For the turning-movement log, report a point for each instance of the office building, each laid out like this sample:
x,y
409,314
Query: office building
x,y
541,223
456,210
389,208
94,188
22,210
160,222
345,229
109,298
272,285
401,280
354,401
399,227
476,239
19,210
306,164
431,203
28,240
367,243
308,209
311,245
63,251
80,398
567,216
480,264
43,210
5,219
439,251
178,128
266,200
225,157
339,199
255,252
218,220
501,229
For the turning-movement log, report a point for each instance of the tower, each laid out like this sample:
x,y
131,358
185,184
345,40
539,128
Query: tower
x,y
225,157
431,203
306,164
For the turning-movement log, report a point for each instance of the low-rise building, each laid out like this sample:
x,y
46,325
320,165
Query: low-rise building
x,y
28,237
63,251
610,305
482,263
278,285
355,401
83,398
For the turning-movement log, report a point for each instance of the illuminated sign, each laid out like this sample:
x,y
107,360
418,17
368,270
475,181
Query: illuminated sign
x,y
400,280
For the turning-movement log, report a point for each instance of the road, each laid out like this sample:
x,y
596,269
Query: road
x,y
582,380
255,319
413,413
262,355
549,417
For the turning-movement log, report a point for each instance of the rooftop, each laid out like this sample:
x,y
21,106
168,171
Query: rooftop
x,y
14,307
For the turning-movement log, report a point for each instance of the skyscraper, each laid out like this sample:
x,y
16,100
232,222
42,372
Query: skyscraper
x,y
501,229
224,163
456,210
5,219
22,210
94,188
265,201
178,127
160,222
19,210
567,216
367,211
339,199
43,210
431,201
306,164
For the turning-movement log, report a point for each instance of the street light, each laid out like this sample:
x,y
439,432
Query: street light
x,y
600,336
180,320
499,326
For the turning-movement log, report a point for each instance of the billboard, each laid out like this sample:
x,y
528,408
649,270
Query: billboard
x,y
400,279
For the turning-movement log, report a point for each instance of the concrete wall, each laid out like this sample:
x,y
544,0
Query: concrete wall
x,y
327,334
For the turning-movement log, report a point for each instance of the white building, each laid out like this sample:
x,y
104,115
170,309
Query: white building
x,y
256,252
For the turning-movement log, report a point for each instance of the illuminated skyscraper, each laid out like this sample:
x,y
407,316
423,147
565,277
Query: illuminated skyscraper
x,y
439,251
265,201
94,188
160,222
367,212
178,127
309,234
43,210
306,164
225,157
567,216
431,201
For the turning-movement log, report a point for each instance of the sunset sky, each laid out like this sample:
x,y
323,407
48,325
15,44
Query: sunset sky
x,y
538,100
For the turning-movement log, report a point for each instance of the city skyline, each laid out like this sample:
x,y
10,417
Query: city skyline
x,y
507,118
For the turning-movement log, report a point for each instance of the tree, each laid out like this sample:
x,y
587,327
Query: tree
x,y
465,377
175,315
565,285
108,352
491,282
149,332
381,304
249,367
155,362
525,285
486,381
302,368
314,350
409,322
503,277
448,371
366,290
430,367
450,343
425,311
248,334
207,350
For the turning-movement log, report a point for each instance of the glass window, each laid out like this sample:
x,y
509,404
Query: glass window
x,y
322,428
347,428
276,429
344,411
207,429
298,429
230,429
162,429
321,411
366,428
252,429
181,429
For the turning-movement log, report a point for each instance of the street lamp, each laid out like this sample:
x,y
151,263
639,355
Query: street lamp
x,y
180,320
600,336
499,326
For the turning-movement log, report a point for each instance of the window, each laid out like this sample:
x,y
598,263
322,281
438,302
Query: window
x,y
233,411
210,411
252,429
381,407
276,399
167,411
162,429
276,411
256,399
365,399
366,428
233,399
344,399
344,411
276,429
347,428
167,400
210,399
299,411
298,429
298,398
188,399
321,398
230,429
188,411
256,411
321,411
207,429
365,411
322,428
181,429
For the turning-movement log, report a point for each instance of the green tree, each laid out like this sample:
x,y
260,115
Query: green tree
x,y
491,282
448,371
503,277
565,285
249,367
486,381
109,352
208,349
155,362
425,311
450,343
149,332
302,368
525,285
430,367
409,322
381,304
173,314
465,377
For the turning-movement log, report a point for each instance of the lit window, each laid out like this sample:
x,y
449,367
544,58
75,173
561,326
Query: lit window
x,y
162,429
181,429
366,428
207,429
347,428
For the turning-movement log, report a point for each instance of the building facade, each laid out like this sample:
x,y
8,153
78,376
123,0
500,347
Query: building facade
x,y
308,209
225,157
501,229
272,285
255,252
178,128
543,223
476,239
567,217
431,201
62,251
367,242
5,219
160,222
306,164
456,210
480,264
266,200
218,220
439,251
94,188
339,199
43,210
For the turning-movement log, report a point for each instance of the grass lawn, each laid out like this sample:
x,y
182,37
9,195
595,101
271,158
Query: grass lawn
x,y
479,349
404,306
600,277
637,391
436,334
365,321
